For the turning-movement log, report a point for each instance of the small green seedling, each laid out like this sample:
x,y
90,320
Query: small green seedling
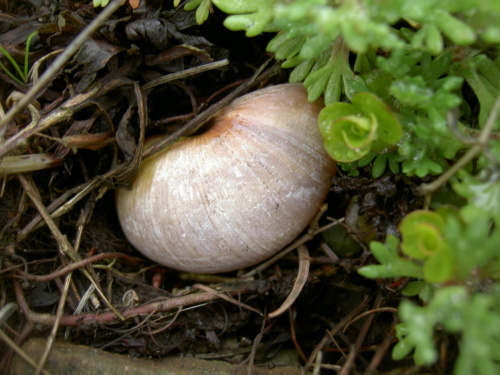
x,y
22,73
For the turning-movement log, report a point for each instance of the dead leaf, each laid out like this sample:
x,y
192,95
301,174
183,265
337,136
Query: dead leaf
x,y
94,55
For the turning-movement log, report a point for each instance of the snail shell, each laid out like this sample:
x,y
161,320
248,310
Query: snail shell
x,y
236,194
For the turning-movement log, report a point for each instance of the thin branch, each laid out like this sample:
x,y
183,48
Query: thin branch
x,y
370,312
185,73
293,332
111,317
318,363
169,324
225,297
73,266
382,349
480,144
19,351
331,333
256,342
354,350
55,327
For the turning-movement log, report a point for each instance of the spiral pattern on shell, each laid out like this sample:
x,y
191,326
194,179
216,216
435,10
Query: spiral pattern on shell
x,y
236,194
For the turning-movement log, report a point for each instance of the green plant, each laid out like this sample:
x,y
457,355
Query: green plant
x,y
23,73
352,130
442,248
100,3
476,317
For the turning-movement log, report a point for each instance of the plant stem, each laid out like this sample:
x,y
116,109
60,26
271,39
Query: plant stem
x,y
28,43
481,142
7,71
12,61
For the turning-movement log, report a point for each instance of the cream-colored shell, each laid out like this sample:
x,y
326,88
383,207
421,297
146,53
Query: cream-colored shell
x,y
236,194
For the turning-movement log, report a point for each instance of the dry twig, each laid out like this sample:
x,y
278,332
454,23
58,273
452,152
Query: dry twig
x,y
55,327
226,297
64,246
74,266
110,317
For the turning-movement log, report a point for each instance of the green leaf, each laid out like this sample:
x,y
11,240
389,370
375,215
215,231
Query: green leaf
x,y
301,70
389,129
328,73
192,4
203,11
421,166
433,39
480,337
483,75
416,335
393,165
348,140
347,136
412,91
314,46
401,62
402,348
251,16
357,132
378,82
26,55
365,62
13,63
438,67
101,3
484,196
421,232
335,111
417,327
379,165
317,81
391,263
439,266
23,73
458,31
367,159
284,46
491,34
414,288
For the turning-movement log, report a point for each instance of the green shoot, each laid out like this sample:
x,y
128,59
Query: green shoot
x,y
22,73
350,131
100,3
